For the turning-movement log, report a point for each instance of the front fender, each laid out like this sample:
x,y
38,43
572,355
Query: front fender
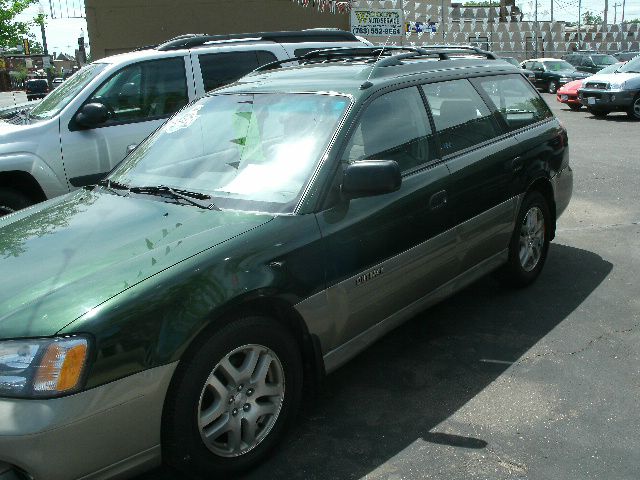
x,y
52,183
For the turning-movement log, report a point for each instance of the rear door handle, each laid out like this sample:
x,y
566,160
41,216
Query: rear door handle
x,y
517,164
438,200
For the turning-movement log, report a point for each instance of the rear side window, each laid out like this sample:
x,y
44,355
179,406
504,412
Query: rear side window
x,y
515,99
462,119
219,69
394,126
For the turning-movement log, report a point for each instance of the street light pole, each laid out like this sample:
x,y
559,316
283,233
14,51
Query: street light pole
x,y
579,15
41,18
535,28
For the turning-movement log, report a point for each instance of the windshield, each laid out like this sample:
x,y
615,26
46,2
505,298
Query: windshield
x,y
252,152
512,61
558,65
61,96
611,68
604,59
632,66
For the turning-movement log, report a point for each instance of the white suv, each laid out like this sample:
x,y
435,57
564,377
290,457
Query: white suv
x,y
87,125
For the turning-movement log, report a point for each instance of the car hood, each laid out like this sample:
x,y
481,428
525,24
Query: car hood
x,y
613,77
570,87
571,74
62,258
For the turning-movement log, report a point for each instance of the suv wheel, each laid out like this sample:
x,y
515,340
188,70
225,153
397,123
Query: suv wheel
x,y
553,86
231,401
634,109
12,200
529,243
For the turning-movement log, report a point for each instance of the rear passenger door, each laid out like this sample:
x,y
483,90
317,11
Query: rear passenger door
x,y
223,66
482,159
385,252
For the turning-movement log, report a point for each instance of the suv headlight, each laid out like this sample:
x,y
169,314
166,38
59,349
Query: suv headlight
x,y
42,367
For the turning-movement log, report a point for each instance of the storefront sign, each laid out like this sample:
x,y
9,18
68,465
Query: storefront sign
x,y
371,22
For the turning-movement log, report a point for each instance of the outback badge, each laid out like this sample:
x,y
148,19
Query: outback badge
x,y
365,277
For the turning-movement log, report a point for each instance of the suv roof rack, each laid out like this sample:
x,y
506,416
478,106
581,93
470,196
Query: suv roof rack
x,y
375,55
312,35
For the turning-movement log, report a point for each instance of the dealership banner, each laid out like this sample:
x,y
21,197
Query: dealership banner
x,y
373,22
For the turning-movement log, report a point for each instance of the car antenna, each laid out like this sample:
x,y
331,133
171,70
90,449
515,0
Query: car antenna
x,y
367,83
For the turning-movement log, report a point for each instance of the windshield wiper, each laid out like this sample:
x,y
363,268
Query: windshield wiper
x,y
114,186
192,198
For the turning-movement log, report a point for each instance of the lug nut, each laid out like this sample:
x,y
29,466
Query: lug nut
x,y
234,412
246,407
230,400
250,392
240,388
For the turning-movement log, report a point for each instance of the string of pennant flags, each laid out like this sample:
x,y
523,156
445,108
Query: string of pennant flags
x,y
491,27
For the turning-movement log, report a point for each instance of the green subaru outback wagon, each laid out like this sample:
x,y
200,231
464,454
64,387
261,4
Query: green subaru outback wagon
x,y
258,240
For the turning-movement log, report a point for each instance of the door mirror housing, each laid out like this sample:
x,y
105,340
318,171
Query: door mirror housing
x,y
92,114
367,178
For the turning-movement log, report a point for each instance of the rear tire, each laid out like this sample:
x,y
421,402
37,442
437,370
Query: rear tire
x,y
529,243
12,200
634,109
221,415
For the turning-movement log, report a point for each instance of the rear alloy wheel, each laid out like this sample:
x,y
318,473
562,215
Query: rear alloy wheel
x,y
12,200
553,86
575,106
233,398
634,109
529,243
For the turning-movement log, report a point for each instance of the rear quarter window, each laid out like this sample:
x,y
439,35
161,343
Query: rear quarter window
x,y
517,102
219,69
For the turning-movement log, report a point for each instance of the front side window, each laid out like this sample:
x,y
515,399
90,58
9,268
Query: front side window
x,y
219,69
518,104
557,66
461,117
394,126
604,60
252,152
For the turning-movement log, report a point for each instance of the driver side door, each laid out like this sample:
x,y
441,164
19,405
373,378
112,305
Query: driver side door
x,y
139,98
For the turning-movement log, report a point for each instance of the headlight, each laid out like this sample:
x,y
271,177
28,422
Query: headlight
x,y
616,86
42,367
565,79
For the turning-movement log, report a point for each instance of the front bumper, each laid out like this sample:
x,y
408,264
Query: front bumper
x,y
96,434
571,98
606,99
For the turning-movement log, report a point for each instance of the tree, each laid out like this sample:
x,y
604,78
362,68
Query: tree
x,y
588,18
11,31
635,20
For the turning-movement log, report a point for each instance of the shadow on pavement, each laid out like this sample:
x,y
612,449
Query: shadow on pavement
x,y
622,117
399,389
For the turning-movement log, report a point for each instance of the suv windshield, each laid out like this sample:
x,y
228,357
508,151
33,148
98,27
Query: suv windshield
x,y
632,66
604,59
558,65
61,96
252,152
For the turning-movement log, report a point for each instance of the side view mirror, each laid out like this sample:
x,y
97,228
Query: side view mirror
x,y
92,114
367,178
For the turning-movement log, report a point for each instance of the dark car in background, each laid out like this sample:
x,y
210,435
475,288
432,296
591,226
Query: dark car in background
x,y
36,88
590,62
260,238
552,73
626,55
527,73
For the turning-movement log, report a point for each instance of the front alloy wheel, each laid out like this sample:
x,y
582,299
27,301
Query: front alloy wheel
x,y
634,109
233,395
241,400
553,86
532,236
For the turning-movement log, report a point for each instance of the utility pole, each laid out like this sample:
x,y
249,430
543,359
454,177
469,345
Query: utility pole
x,y
443,27
623,2
47,63
615,12
551,11
579,20
606,11
535,28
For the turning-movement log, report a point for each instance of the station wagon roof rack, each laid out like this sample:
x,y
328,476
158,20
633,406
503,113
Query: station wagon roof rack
x,y
381,56
312,35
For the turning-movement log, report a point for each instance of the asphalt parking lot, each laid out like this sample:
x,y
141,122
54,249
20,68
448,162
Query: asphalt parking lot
x,y
541,383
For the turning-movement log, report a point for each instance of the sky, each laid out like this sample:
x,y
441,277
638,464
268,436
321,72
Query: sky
x,y
63,33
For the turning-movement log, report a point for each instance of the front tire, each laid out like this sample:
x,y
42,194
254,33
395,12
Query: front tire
x,y
634,109
553,87
232,398
12,200
529,243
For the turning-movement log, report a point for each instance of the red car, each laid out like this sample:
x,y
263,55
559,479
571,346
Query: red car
x,y
568,94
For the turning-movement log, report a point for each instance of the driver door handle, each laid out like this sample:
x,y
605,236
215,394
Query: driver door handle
x,y
438,200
